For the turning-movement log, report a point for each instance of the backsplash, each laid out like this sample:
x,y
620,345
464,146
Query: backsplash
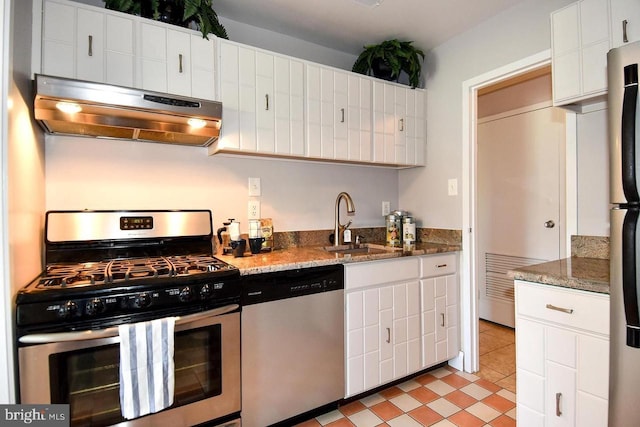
x,y
288,239
590,247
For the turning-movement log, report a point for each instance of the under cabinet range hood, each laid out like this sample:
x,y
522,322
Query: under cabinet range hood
x,y
73,107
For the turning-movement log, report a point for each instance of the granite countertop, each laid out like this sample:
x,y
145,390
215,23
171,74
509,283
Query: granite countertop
x,y
586,274
314,256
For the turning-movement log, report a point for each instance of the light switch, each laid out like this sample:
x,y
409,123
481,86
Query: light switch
x,y
254,187
452,187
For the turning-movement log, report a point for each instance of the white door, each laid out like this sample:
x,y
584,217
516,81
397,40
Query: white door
x,y
519,181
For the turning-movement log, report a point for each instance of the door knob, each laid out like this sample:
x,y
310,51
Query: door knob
x,y
549,224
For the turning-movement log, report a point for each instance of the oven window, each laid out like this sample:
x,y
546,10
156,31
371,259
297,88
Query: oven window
x,y
88,379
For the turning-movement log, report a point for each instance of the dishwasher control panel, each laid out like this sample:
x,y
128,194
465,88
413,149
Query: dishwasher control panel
x,y
259,288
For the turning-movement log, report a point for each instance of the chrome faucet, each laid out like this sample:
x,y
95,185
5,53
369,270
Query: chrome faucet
x,y
351,209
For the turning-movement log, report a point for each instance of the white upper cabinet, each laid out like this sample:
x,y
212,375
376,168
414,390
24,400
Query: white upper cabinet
x,y
176,61
96,44
338,106
399,124
580,42
262,96
87,43
625,22
359,118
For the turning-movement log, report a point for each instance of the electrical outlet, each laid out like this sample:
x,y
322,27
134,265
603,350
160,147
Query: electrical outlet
x,y
254,187
452,187
254,209
386,208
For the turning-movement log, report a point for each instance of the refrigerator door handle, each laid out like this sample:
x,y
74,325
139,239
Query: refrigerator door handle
x,y
630,278
628,133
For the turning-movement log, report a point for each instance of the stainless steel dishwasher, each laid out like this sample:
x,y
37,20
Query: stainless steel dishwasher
x,y
292,343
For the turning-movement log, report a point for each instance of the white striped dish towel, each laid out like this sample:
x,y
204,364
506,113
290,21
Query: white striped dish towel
x,y
146,367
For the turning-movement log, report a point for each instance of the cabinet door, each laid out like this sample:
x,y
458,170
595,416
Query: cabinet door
x,y
90,42
428,320
153,57
414,125
355,343
119,51
265,110
289,106
565,44
58,39
359,117
341,113
629,31
178,62
203,66
230,95
247,98
595,41
580,42
560,395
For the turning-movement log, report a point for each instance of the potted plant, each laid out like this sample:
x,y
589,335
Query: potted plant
x,y
388,59
177,12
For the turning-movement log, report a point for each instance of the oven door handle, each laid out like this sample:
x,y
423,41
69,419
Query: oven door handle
x,y
113,331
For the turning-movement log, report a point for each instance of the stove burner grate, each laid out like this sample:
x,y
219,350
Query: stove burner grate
x,y
127,270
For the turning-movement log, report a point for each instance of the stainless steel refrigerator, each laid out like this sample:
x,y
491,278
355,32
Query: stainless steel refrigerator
x,y
624,144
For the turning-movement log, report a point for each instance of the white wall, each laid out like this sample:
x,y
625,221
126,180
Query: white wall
x,y
85,173
22,178
518,32
593,173
286,45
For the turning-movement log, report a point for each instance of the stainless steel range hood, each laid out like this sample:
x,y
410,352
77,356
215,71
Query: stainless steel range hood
x,y
107,111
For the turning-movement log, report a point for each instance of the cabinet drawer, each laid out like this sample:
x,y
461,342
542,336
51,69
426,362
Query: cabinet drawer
x,y
373,273
437,265
568,307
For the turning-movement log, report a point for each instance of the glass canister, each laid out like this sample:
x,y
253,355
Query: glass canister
x,y
408,233
394,230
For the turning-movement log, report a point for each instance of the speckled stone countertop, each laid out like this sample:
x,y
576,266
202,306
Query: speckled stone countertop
x,y
313,256
586,274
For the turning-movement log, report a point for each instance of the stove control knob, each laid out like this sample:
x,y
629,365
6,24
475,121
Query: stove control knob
x,y
93,307
185,294
205,291
142,301
68,310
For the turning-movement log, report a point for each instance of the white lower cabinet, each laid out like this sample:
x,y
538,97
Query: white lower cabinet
x,y
562,356
385,319
439,308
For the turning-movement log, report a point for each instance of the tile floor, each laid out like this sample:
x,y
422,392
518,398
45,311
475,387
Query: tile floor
x,y
498,355
444,397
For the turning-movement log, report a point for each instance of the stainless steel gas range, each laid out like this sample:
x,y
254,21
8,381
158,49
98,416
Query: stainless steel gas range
x,y
108,268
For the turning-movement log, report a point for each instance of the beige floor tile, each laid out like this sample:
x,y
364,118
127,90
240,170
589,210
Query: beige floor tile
x,y
488,373
483,325
502,360
490,342
508,383
502,332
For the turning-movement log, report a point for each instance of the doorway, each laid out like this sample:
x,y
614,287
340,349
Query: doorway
x,y
520,159
470,287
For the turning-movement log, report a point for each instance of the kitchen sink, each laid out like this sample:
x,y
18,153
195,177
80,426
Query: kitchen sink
x,y
352,250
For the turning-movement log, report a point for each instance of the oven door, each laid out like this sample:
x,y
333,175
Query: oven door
x,y
82,369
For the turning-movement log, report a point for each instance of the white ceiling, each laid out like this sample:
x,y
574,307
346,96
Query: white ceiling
x,y
347,25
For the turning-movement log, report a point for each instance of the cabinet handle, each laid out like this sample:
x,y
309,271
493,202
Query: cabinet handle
x,y
401,125
342,112
442,319
564,310
441,265
625,38
90,45
558,411
266,99
180,63
389,335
